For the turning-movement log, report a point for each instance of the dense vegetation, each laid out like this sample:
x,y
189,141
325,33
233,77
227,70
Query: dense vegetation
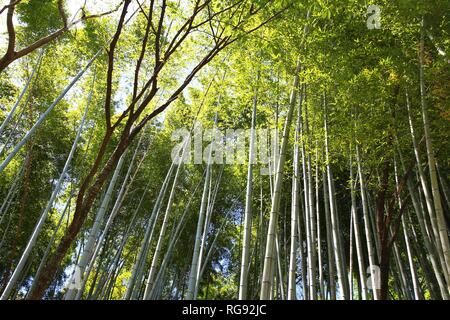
x,y
342,189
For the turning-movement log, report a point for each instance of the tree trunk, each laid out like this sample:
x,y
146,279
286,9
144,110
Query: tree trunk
x,y
37,230
269,258
340,263
330,251
192,284
95,230
165,223
359,248
136,271
84,204
367,229
248,209
442,227
295,209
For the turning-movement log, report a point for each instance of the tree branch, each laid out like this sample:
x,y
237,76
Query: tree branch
x,y
109,74
10,28
143,49
11,55
97,15
11,4
62,12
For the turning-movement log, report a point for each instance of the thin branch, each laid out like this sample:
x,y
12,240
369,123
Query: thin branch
x,y
215,14
179,37
109,75
97,15
175,43
11,4
397,225
11,55
158,35
62,12
211,54
11,31
143,49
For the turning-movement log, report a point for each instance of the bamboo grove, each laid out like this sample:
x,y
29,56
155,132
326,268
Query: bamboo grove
x,y
353,120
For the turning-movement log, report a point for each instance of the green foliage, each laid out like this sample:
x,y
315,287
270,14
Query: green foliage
x,y
363,73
